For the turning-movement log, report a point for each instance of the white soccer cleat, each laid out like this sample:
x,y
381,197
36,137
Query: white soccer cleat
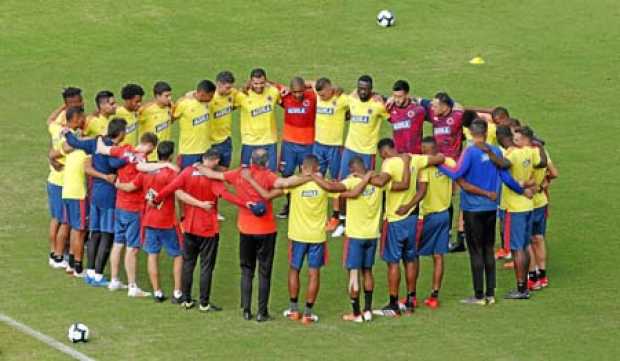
x,y
59,265
69,270
136,292
79,275
339,231
115,285
220,217
367,316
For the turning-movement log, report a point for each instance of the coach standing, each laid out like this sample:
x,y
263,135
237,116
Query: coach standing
x,y
257,230
477,167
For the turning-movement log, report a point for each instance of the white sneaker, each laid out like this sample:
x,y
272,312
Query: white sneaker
x,y
51,262
339,231
367,316
69,270
115,285
220,217
79,275
59,265
137,292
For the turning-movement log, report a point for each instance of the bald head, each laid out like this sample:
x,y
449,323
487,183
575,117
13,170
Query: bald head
x,y
260,157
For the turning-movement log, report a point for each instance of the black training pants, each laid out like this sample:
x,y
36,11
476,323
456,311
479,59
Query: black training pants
x,y
480,236
253,248
98,250
206,248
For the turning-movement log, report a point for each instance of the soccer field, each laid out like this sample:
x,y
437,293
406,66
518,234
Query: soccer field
x,y
553,64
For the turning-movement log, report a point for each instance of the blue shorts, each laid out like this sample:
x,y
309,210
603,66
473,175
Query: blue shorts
x,y
272,150
348,154
155,238
54,201
329,158
127,228
186,160
225,149
517,230
75,211
435,234
297,251
292,156
101,219
399,240
539,221
359,253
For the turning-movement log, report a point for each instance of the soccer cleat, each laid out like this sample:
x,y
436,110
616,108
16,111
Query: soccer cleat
x,y
220,217
474,301
103,282
137,292
516,295
367,315
60,265
332,224
490,300
188,305
387,311
159,298
339,231
209,307
115,285
403,302
247,315
292,315
509,265
353,318
501,253
534,285
456,247
432,302
544,281
79,275
176,300
263,317
309,319
69,270
88,279
51,262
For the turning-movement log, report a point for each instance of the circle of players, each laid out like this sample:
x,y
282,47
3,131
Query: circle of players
x,y
113,180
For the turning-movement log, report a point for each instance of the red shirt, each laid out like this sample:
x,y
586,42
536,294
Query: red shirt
x,y
128,201
448,132
408,123
299,118
162,217
199,221
247,222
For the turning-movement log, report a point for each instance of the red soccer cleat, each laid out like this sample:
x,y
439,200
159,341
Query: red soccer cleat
x,y
501,253
432,302
533,285
544,282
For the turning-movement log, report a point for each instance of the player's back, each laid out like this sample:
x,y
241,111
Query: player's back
x,y
364,211
308,212
523,160
162,216
439,190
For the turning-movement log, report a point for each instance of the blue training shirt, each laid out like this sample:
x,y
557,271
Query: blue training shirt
x,y
103,193
476,168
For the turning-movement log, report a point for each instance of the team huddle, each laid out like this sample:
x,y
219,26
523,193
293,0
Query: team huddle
x,y
115,185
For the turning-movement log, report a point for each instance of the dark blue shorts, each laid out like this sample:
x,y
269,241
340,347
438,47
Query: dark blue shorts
x,y
329,158
539,221
272,150
435,234
348,154
292,156
186,160
101,219
225,149
359,253
517,230
127,228
75,211
156,238
398,240
54,201
316,254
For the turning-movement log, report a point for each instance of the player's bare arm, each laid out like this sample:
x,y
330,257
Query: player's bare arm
x,y
91,171
210,173
188,199
404,183
419,195
53,156
330,186
359,188
501,163
52,117
470,188
265,194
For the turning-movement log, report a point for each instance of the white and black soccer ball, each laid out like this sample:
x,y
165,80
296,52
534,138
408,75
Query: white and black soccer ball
x,y
78,332
385,18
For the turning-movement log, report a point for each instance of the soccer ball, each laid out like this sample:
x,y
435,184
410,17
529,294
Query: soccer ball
x,y
385,18
78,332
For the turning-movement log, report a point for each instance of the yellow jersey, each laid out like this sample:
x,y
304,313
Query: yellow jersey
x,y
221,108
308,213
394,199
131,133
363,212
61,119
96,124
491,134
540,198
523,161
74,176
194,125
330,119
439,190
57,139
155,119
364,125
258,117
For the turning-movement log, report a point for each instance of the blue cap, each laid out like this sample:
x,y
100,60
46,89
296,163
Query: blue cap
x,y
258,209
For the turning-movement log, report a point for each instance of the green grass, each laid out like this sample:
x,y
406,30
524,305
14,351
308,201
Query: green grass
x,y
552,63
